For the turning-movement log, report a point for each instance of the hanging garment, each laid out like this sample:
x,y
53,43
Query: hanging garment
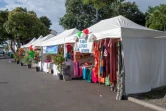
x,y
113,61
94,76
96,56
76,69
102,60
107,80
107,57
89,75
80,72
95,69
84,70
100,78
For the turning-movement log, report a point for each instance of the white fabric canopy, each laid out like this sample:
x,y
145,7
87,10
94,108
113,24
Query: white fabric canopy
x,y
29,44
39,42
59,39
118,27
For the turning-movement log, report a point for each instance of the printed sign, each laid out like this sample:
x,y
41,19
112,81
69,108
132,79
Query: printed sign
x,y
83,46
50,49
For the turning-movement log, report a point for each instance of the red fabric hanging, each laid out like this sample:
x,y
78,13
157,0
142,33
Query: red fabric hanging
x,y
113,60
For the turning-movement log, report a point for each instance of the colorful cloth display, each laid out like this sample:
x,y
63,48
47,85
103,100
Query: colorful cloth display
x,y
113,62
94,76
89,75
84,73
76,69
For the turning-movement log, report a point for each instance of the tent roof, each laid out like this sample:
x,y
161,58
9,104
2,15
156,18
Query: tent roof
x,y
113,23
118,27
28,44
37,40
43,39
60,39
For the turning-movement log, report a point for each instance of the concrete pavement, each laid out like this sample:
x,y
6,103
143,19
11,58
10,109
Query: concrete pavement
x,y
23,89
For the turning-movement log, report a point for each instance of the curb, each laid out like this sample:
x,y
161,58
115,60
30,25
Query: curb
x,y
145,104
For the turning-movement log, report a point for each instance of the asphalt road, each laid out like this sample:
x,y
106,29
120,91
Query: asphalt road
x,y
23,89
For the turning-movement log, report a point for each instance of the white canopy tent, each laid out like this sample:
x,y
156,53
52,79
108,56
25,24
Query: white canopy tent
x,y
144,52
28,44
118,27
60,39
39,42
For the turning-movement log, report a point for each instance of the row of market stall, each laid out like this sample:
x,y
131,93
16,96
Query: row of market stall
x,y
116,52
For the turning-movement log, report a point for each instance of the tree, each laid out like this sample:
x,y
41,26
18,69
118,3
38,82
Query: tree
x,y
99,4
156,17
79,15
3,18
46,21
131,11
23,25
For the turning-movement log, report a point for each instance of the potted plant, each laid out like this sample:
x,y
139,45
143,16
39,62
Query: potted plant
x,y
21,53
58,61
21,60
16,57
28,61
36,60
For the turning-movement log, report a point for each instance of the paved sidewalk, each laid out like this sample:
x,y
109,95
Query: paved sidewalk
x,y
23,89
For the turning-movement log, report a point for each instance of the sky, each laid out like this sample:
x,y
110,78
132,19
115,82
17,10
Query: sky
x,y
55,9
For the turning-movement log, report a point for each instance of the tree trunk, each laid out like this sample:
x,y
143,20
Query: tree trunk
x,y
18,43
11,46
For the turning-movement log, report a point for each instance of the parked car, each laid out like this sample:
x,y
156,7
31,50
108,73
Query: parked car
x,y
2,53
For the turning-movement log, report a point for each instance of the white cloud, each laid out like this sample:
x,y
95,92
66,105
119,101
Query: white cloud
x,y
53,9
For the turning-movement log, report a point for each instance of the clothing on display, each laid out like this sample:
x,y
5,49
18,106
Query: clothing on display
x,y
94,76
89,75
113,62
76,69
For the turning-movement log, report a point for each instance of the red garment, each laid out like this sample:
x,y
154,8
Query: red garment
x,y
94,76
113,60
68,47
96,56
80,72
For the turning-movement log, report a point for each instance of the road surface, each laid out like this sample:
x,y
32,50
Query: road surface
x,y
23,89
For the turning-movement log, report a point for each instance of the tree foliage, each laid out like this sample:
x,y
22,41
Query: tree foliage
x,y
3,18
156,17
131,11
46,21
98,4
79,15
23,25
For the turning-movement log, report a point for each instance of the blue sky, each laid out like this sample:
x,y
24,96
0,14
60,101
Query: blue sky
x,y
54,9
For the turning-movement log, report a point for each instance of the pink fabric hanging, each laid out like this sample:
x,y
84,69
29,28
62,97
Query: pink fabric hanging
x,y
76,69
